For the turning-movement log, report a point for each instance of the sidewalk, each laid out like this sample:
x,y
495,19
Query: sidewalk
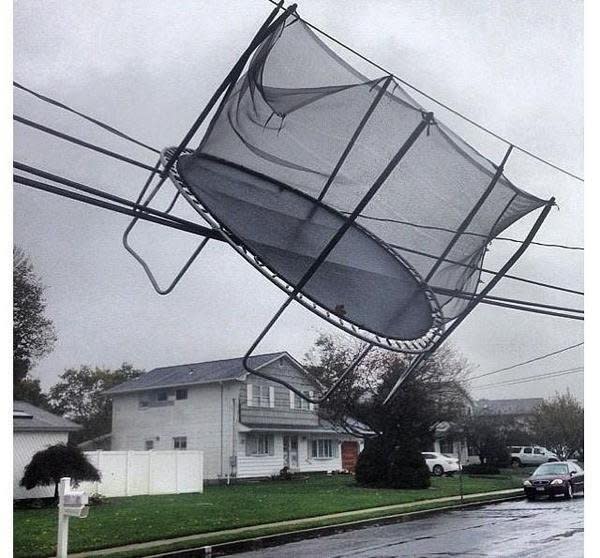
x,y
288,527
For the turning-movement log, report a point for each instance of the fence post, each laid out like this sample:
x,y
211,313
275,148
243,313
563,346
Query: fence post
x,y
176,472
149,478
99,467
127,467
201,472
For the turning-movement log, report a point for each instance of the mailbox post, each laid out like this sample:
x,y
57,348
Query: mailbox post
x,y
71,503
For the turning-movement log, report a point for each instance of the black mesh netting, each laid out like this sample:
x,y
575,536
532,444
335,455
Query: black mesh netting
x,y
269,156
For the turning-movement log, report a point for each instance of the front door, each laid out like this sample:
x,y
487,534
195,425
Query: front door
x,y
290,451
349,455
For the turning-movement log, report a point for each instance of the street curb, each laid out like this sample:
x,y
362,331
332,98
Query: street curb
x,y
257,543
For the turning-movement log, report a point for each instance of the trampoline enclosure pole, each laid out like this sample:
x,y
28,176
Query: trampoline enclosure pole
x,y
380,180
477,298
466,222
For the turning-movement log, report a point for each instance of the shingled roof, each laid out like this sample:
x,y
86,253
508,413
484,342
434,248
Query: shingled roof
x,y
195,373
523,406
29,418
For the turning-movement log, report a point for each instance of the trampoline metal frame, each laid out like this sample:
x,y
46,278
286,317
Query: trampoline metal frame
x,y
476,299
224,89
170,157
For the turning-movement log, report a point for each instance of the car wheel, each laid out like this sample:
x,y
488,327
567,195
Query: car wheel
x,y
516,462
438,470
569,491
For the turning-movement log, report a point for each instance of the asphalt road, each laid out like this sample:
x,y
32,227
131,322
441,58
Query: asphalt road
x,y
512,529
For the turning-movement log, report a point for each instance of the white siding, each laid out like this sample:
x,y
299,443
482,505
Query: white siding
x,y
198,418
25,445
267,465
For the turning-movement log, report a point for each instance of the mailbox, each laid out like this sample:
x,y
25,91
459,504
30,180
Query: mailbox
x,y
71,503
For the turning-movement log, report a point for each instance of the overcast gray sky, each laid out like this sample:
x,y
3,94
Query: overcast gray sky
x,y
149,67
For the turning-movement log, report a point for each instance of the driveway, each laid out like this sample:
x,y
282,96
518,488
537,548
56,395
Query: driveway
x,y
511,529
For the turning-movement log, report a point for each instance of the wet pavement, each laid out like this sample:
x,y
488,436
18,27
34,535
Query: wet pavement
x,y
544,528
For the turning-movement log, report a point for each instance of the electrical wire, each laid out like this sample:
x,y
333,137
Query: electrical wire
x,y
438,102
80,142
542,357
527,379
490,271
187,226
84,116
467,233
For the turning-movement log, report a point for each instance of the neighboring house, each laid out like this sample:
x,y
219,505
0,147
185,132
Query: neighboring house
x,y
35,429
517,413
245,425
447,440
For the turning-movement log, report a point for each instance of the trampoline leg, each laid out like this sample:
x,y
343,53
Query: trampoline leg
x,y
138,257
503,271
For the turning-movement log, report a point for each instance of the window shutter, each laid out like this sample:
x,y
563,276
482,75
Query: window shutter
x,y
311,406
271,396
248,444
249,401
292,394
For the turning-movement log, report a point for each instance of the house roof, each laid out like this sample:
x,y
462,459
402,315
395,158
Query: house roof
x,y
196,373
29,418
508,406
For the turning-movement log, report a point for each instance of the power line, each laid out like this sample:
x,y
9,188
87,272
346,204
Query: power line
x,y
528,361
440,103
467,233
485,270
82,143
84,116
181,224
527,379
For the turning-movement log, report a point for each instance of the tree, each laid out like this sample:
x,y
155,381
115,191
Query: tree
x,y
431,395
558,425
29,389
33,332
48,466
79,395
487,436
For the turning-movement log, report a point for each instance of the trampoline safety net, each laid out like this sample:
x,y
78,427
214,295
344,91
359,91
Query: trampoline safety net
x,y
294,148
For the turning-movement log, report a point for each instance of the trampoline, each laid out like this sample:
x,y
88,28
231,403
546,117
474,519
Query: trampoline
x,y
363,286
344,192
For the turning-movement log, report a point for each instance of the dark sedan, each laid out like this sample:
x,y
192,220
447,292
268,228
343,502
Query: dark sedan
x,y
552,479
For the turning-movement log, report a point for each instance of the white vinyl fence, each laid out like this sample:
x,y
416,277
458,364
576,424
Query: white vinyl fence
x,y
133,473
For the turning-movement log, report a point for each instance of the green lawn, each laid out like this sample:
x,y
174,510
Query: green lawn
x,y
121,521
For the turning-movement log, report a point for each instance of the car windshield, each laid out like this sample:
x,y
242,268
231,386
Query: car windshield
x,y
551,469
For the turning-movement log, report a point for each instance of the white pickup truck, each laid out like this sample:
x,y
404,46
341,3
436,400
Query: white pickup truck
x,y
521,456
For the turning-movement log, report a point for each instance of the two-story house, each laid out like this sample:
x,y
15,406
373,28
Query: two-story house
x,y
246,426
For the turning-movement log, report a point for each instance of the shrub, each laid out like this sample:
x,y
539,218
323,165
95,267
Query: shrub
x,y
407,469
372,464
481,469
48,466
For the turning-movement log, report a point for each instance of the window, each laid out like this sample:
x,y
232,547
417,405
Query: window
x,y
538,451
324,448
262,392
446,446
259,444
149,445
180,443
300,403
161,396
527,450
181,394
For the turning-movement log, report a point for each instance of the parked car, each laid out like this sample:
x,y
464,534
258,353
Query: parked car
x,y
552,479
440,463
521,456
